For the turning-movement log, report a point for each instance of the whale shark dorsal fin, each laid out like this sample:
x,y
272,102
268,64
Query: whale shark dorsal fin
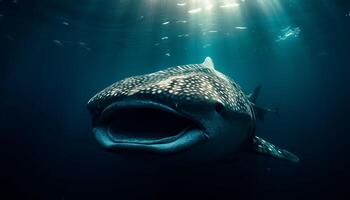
x,y
263,147
208,62
255,94
258,110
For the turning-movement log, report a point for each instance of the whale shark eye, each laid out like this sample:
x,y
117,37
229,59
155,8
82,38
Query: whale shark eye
x,y
219,107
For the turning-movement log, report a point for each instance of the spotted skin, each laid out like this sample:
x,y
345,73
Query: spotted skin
x,y
181,84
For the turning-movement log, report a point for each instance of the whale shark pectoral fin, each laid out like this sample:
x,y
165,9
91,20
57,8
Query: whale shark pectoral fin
x,y
261,146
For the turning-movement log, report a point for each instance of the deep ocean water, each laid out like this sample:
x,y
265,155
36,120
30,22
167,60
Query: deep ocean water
x,y
55,55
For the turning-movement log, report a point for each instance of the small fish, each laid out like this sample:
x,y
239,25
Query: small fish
x,y
288,33
181,4
84,45
241,27
194,11
230,5
65,23
193,112
57,43
181,21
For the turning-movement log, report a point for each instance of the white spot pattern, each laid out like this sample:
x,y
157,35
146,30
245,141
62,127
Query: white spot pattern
x,y
181,84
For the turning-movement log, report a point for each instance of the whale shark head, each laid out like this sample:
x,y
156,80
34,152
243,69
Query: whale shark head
x,y
171,110
187,108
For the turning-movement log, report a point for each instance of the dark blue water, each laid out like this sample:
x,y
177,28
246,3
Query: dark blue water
x,y
54,55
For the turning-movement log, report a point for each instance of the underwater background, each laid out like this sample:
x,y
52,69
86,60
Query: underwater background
x,y
55,55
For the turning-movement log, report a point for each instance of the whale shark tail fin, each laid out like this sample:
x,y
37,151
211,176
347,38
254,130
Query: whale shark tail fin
x,y
263,147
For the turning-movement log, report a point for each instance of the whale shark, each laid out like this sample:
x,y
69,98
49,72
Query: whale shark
x,y
192,111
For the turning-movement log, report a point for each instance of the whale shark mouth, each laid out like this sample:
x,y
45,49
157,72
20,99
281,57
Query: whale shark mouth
x,y
146,126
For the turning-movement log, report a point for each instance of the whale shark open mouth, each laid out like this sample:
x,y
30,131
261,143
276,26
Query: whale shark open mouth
x,y
146,126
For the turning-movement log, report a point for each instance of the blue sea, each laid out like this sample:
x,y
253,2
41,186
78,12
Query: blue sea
x,y
56,54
